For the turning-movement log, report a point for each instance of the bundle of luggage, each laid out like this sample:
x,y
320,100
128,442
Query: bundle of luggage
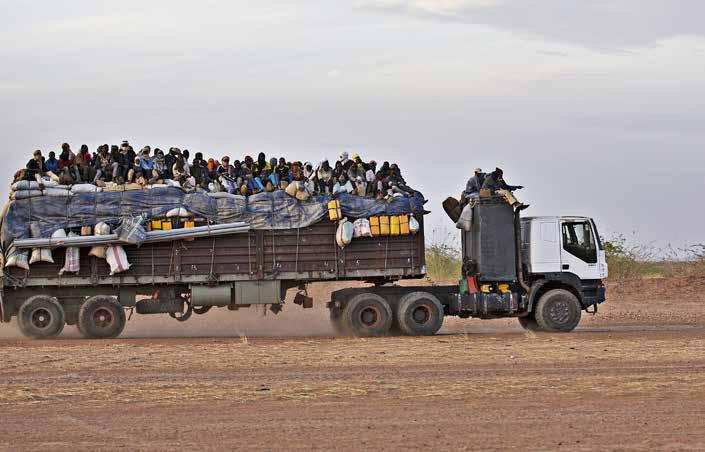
x,y
376,226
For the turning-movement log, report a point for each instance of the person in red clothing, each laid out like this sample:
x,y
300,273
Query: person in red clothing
x,y
83,164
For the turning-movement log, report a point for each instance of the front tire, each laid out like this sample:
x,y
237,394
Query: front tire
x,y
558,310
41,317
367,315
419,314
101,317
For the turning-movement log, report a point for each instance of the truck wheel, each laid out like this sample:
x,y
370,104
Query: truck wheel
x,y
558,310
419,314
367,314
101,317
528,322
41,317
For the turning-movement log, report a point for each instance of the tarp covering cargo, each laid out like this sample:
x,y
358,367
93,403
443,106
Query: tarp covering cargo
x,y
267,210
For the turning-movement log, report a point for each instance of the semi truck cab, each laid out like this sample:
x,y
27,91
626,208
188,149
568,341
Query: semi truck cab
x,y
566,244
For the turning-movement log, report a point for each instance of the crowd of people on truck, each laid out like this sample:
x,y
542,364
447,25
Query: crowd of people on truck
x,y
121,165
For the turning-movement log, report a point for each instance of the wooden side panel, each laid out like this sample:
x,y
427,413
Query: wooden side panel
x,y
306,253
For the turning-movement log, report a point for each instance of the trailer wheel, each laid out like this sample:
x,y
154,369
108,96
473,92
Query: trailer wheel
x,y
419,314
41,317
367,314
101,317
528,322
558,310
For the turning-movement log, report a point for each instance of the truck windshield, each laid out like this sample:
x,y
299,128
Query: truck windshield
x,y
579,241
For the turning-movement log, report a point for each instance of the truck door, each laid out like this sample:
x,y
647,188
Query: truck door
x,y
579,250
545,254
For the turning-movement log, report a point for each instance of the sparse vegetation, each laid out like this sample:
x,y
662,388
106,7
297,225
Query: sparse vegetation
x,y
626,257
629,259
443,260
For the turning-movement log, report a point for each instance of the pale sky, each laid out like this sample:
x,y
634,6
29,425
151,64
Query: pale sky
x,y
597,107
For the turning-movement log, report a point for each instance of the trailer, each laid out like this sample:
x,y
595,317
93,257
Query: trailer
x,y
183,277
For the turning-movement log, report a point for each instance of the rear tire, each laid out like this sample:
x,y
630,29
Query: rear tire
x,y
558,310
41,317
419,314
366,315
101,317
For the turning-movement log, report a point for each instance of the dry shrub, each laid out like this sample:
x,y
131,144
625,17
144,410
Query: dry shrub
x,y
443,259
629,259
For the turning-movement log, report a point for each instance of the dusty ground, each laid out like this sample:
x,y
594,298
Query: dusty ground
x,y
631,378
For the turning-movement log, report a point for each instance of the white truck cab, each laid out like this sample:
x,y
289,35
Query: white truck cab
x,y
566,244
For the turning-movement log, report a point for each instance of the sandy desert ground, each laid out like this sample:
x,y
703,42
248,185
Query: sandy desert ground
x,y
630,378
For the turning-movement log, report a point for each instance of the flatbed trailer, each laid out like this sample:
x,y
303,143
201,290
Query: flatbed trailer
x,y
233,271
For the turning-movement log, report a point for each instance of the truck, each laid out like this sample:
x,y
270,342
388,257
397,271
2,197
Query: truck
x,y
545,271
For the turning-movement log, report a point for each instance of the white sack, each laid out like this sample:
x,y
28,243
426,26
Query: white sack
x,y
84,188
117,259
465,220
18,259
361,228
72,263
345,232
414,225
54,191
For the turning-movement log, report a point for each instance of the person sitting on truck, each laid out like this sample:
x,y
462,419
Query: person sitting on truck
x,y
343,185
34,170
83,164
178,171
103,165
282,170
199,171
495,181
122,163
147,164
52,164
324,177
67,167
187,166
472,188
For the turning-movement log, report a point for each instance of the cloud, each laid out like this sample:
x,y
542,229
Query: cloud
x,y
595,23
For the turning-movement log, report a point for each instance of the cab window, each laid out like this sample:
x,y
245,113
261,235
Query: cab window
x,y
579,241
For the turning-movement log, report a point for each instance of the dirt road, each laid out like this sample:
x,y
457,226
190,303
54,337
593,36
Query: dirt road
x,y
480,385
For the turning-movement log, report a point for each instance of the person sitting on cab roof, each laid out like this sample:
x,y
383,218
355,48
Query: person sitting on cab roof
x,y
472,188
495,181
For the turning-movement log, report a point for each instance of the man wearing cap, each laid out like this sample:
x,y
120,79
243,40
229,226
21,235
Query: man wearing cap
x,y
472,188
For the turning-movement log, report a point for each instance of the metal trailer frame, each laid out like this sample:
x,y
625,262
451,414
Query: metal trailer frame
x,y
284,258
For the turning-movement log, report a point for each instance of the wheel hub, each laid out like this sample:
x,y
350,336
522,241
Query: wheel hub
x,y
559,312
41,318
102,318
421,314
369,316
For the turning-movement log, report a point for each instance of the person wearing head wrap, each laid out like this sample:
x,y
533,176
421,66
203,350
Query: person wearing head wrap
x,y
324,175
495,181
343,158
342,185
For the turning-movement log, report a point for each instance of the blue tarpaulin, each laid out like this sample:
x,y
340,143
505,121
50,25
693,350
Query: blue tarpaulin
x,y
275,210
